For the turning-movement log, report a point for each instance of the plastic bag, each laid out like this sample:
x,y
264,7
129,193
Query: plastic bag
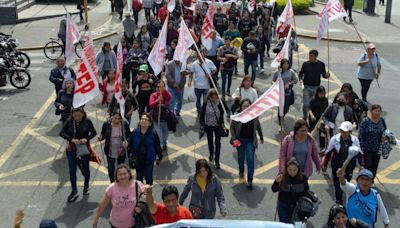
x,y
191,95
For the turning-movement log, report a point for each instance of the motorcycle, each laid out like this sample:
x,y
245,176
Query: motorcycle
x,y
19,77
9,45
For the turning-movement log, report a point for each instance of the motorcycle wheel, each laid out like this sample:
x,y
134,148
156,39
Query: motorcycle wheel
x,y
23,60
20,79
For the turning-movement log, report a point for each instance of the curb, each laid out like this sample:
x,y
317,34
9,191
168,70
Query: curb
x,y
19,21
41,47
331,39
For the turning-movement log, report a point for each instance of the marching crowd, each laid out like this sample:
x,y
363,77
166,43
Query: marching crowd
x,y
324,129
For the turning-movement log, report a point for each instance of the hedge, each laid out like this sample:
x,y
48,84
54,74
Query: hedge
x,y
298,5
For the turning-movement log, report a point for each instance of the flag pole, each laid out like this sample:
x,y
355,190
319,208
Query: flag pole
x,y
365,48
328,39
297,43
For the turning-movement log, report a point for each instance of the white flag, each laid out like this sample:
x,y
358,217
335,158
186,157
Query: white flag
x,y
171,5
159,51
251,6
208,27
287,14
118,80
185,41
334,9
72,36
323,26
284,53
281,96
271,98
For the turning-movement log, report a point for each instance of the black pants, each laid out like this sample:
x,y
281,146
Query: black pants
x,y
214,150
112,6
111,165
349,10
371,159
365,84
147,13
348,174
143,99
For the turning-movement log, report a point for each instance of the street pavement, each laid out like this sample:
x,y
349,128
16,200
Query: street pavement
x,y
33,168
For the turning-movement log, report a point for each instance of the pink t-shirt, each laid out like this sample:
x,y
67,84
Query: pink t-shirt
x,y
123,200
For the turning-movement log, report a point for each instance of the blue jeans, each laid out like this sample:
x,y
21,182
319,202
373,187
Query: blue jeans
x,y
199,93
83,166
163,132
253,64
225,73
145,169
261,57
211,131
285,212
176,99
111,165
246,149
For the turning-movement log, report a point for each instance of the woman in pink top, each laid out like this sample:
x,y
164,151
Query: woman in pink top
x,y
122,195
301,145
160,98
108,88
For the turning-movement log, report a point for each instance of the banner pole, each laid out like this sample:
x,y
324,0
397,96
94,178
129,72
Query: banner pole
x,y
328,39
297,43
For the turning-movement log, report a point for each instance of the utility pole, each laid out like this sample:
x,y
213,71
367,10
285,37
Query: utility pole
x,y
388,13
85,4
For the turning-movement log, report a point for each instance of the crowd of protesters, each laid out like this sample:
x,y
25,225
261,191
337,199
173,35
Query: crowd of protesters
x,y
158,102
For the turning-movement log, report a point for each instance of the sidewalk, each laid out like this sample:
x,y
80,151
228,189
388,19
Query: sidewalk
x,y
371,28
35,34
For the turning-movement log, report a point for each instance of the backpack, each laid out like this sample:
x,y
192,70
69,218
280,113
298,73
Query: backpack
x,y
144,218
306,206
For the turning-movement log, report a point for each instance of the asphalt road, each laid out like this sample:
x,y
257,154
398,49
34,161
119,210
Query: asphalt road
x,y
33,170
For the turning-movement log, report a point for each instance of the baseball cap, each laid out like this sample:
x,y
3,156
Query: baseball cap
x,y
365,172
144,68
371,46
346,126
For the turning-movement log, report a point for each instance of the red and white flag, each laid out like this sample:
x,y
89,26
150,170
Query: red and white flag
x,y
284,53
332,10
87,82
252,5
287,14
171,5
159,51
185,41
273,97
208,27
72,36
118,80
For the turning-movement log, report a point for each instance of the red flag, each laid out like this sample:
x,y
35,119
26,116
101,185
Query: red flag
x,y
287,15
157,55
252,5
332,10
118,80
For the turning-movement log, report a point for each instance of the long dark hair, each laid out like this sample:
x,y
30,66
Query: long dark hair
x,y
348,86
320,89
241,103
283,61
104,46
203,163
335,210
79,109
286,176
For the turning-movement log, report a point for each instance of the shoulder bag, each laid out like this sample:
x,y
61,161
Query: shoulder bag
x,y
236,103
213,77
81,149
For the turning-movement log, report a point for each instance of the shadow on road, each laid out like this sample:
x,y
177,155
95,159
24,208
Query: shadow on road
x,y
251,198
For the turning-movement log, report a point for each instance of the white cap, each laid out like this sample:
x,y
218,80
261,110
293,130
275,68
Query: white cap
x,y
346,126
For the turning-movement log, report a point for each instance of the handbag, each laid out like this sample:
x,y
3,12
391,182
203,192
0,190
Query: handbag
x,y
80,149
222,131
197,212
143,218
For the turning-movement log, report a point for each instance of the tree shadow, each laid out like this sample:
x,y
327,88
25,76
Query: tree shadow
x,y
165,170
251,198
55,130
390,200
12,91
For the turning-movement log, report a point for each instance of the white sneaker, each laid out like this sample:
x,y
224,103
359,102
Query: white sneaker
x,y
261,71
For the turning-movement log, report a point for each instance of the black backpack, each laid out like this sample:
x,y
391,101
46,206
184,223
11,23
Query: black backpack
x,y
306,207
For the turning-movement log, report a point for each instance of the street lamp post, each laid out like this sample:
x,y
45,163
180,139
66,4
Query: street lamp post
x,y
388,11
85,4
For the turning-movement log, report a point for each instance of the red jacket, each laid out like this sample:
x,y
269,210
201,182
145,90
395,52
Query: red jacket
x,y
162,14
166,99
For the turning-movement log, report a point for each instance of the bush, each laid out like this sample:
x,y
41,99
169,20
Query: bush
x,y
299,6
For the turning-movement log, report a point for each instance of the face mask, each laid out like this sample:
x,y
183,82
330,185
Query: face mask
x,y
341,103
